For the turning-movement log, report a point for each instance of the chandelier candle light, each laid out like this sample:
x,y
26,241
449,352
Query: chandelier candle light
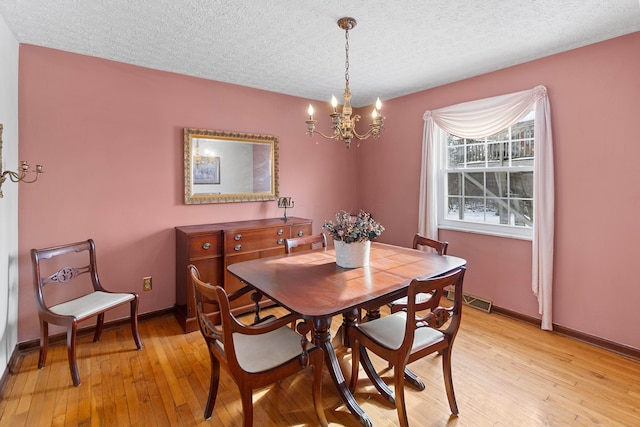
x,y
343,124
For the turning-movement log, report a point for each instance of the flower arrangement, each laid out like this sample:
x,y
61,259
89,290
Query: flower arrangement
x,y
351,229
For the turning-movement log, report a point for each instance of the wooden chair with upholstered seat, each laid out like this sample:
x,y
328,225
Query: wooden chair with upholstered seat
x,y
406,336
420,242
423,300
315,239
254,355
65,266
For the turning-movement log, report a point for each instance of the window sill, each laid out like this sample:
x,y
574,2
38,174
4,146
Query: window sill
x,y
524,234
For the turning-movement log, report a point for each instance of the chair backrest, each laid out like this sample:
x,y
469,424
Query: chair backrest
x,y
439,247
210,298
294,242
67,264
445,319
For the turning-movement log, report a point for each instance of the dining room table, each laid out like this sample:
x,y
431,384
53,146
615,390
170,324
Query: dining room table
x,y
311,284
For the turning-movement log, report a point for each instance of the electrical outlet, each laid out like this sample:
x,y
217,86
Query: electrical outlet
x,y
146,283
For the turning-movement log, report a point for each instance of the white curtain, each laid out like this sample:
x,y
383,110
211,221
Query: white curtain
x,y
479,119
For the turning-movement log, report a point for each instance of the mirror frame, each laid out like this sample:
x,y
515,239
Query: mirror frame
x,y
198,198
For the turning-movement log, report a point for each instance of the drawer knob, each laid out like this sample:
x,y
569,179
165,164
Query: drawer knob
x,y
280,232
300,233
280,241
206,246
237,236
237,247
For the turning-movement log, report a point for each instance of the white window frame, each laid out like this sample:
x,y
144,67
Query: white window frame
x,y
501,230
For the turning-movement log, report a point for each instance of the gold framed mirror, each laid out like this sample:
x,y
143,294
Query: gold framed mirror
x,y
226,167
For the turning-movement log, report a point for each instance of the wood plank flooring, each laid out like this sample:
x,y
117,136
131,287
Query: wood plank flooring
x,y
506,373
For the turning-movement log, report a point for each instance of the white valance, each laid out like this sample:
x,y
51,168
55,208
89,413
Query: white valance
x,y
482,118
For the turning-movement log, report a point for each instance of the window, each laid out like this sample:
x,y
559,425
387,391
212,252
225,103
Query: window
x,y
486,184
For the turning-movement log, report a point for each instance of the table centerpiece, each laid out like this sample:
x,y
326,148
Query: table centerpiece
x,y
352,236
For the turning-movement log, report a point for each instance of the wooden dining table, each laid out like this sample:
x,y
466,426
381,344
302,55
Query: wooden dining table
x,y
310,284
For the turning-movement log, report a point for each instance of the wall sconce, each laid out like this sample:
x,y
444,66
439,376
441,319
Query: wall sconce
x,y
21,174
285,202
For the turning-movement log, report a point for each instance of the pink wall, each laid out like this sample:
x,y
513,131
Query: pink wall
x,y
110,138
595,105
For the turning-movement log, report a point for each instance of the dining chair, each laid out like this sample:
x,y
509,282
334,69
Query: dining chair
x,y
406,336
423,300
315,239
254,355
420,242
93,300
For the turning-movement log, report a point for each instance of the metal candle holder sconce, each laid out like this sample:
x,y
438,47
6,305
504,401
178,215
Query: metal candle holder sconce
x,y
21,174
285,202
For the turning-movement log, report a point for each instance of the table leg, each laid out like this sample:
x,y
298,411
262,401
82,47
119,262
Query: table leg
x,y
322,338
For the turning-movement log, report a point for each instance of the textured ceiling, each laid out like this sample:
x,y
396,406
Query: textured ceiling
x,y
295,47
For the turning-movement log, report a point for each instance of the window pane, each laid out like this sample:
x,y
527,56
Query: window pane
x,y
474,184
453,208
454,184
473,209
496,184
522,130
503,135
456,157
522,153
521,184
475,153
522,212
497,154
498,211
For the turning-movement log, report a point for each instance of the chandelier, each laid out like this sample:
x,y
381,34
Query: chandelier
x,y
343,124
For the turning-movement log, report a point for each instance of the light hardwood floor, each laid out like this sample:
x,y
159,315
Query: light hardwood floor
x,y
505,372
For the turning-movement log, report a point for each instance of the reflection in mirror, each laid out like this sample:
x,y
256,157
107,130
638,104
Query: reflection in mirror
x,y
222,167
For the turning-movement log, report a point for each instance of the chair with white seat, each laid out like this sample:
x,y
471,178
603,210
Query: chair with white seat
x,y
78,259
254,355
406,336
421,242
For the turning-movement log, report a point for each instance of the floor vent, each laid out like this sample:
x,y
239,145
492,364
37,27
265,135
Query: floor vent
x,y
473,301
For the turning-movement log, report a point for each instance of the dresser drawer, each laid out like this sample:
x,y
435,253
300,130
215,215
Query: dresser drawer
x,y
301,230
205,245
239,241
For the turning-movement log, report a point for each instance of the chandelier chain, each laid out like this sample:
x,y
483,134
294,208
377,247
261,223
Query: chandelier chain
x,y
346,63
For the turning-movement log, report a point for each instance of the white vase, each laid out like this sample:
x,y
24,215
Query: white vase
x,y
352,255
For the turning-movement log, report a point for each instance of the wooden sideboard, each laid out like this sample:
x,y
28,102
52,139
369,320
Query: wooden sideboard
x,y
213,247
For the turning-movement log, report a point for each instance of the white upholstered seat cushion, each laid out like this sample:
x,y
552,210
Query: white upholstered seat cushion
x,y
257,353
389,331
91,304
420,298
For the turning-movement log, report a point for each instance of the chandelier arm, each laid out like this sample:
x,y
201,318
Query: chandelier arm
x,y
335,134
26,181
365,135
13,176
